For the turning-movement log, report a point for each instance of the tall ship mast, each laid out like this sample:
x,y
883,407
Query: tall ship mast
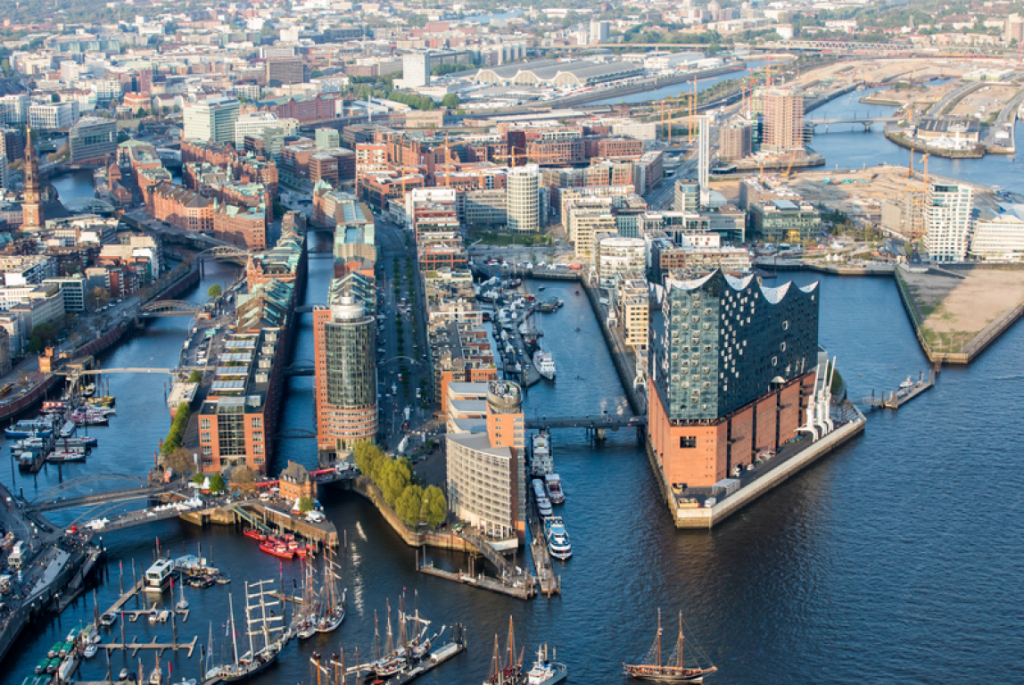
x,y
508,672
332,605
265,635
672,670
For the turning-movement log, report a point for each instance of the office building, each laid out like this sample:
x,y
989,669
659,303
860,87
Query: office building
x,y
416,70
255,124
211,119
599,32
618,255
730,368
999,237
93,139
285,70
345,373
783,121
786,221
327,138
734,140
486,461
523,204
687,196
633,309
948,218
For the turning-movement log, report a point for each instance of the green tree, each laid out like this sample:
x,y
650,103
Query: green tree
x,y
306,504
243,478
198,478
450,101
97,297
45,332
217,483
368,458
214,291
395,476
434,506
195,377
141,112
409,504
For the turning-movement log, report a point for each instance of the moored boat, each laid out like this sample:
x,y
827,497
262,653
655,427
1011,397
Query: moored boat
x,y
553,485
544,671
37,428
545,364
254,533
557,537
158,576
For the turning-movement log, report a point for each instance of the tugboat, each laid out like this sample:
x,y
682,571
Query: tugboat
x,y
675,670
545,672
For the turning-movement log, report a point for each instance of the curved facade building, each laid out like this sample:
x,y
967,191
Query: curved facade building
x,y
728,372
618,255
346,375
523,198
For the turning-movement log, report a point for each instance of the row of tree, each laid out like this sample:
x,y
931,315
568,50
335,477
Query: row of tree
x,y
174,436
395,480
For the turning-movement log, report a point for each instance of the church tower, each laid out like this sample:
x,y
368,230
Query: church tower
x,y
31,206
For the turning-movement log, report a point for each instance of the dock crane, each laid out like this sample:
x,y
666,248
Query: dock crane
x,y
789,167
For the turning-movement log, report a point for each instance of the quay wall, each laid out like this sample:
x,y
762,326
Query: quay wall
x,y
624,367
976,152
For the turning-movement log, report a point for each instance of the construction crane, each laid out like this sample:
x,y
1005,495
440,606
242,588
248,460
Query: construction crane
x,y
789,167
669,117
447,161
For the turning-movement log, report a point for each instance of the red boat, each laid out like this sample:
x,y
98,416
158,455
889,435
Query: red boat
x,y
277,550
254,534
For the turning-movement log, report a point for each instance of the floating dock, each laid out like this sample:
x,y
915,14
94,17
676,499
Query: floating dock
x,y
897,398
480,581
434,659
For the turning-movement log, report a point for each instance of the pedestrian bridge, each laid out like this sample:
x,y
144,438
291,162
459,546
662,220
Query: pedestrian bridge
x,y
161,308
866,122
590,422
53,499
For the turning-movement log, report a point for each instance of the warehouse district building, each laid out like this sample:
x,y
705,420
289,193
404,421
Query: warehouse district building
x,y
730,372
553,72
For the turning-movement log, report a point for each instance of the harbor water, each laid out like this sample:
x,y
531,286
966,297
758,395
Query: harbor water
x,y
896,558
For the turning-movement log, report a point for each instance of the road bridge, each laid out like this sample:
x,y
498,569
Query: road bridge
x,y
52,499
130,369
594,422
866,122
162,308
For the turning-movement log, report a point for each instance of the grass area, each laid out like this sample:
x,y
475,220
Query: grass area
x,y
502,239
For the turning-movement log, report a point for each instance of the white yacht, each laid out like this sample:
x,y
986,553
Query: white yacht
x,y
553,484
541,463
545,364
558,538
541,497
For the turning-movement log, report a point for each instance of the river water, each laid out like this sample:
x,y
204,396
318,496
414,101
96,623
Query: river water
x,y
896,558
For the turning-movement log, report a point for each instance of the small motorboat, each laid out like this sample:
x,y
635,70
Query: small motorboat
x,y
90,650
254,534
154,616
108,619
163,616
123,675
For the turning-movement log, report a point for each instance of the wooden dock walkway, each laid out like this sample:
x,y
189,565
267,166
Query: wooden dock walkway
x,y
481,581
897,398
161,647
549,583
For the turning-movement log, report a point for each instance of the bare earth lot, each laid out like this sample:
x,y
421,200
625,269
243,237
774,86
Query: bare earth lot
x,y
958,309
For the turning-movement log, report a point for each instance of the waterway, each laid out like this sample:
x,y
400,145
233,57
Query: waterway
x,y
897,558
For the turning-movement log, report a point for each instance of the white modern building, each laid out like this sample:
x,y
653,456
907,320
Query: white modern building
x,y
523,198
416,69
948,218
999,237
617,255
255,123
53,117
211,119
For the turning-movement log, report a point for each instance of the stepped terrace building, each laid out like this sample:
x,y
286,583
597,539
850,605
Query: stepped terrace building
x,y
730,370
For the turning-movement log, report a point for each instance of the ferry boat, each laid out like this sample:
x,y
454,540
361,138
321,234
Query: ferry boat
x,y
545,364
278,548
674,670
37,428
158,576
53,408
540,496
545,672
558,538
553,484
541,463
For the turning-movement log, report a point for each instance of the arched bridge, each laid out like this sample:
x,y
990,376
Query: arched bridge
x,y
300,367
52,499
169,308
866,122
227,253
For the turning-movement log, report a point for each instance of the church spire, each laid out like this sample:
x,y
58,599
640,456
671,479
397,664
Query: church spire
x,y
31,206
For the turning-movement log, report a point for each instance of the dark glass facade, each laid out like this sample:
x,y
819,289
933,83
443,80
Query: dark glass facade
x,y
351,376
725,342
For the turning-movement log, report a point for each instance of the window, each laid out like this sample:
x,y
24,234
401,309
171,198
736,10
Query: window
x,y
257,422
207,450
257,449
257,436
205,437
687,442
204,424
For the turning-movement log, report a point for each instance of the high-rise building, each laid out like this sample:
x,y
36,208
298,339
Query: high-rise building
x,y
599,31
1014,29
327,138
783,121
345,375
486,461
523,198
687,196
948,218
728,371
93,138
704,159
32,203
211,119
416,69
735,140
285,70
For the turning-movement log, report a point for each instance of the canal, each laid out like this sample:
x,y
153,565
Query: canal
x,y
895,558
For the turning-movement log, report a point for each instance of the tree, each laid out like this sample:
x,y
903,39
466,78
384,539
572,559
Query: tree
x,y
409,504
369,458
395,476
180,460
216,483
215,291
45,332
451,101
195,377
97,297
141,112
243,478
198,478
176,109
306,504
434,506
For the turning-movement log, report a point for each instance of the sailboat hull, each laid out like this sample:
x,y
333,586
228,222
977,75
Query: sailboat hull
x,y
667,674
330,624
239,676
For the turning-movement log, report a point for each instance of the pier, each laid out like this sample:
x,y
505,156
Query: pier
x,y
546,579
908,390
481,581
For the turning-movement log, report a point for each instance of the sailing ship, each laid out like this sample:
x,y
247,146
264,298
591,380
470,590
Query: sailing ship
x,y
413,645
266,628
332,605
507,669
674,670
